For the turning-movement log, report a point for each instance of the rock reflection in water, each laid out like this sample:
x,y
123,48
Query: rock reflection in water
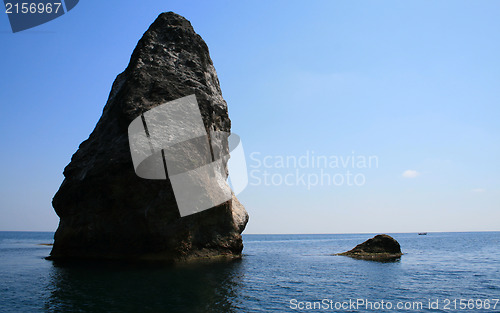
x,y
135,288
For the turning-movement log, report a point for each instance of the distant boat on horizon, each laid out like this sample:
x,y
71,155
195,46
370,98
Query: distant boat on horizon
x,y
422,234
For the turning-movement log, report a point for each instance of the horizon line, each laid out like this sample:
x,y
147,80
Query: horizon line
x,y
347,233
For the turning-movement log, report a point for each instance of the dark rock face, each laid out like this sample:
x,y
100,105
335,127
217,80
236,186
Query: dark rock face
x,y
106,211
378,248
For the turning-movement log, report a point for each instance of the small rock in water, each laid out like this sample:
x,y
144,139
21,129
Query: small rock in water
x,y
378,248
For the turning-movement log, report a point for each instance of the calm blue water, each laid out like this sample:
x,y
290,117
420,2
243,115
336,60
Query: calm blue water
x,y
275,270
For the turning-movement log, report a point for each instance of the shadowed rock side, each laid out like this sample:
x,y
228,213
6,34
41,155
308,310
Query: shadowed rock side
x,y
378,248
106,211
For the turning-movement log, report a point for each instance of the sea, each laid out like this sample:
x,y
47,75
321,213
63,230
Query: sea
x,y
439,272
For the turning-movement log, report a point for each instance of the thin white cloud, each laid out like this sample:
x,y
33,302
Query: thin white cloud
x,y
410,174
478,190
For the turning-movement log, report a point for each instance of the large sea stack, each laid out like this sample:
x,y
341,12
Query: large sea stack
x,y
106,211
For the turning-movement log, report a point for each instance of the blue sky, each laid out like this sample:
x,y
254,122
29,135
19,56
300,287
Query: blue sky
x,y
415,83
